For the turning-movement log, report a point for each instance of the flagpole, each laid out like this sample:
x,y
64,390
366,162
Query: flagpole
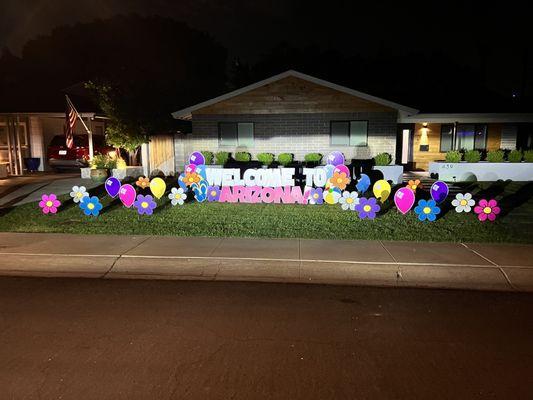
x,y
89,132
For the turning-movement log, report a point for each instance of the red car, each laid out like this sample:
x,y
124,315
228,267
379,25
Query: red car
x,y
60,156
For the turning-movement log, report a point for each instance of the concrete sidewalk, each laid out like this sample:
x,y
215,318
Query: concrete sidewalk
x,y
374,263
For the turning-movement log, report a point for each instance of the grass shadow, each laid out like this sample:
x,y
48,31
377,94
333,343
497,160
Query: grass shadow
x,y
521,196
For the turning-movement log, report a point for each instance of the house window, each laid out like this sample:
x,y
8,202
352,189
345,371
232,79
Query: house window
x,y
349,133
236,134
471,137
446,137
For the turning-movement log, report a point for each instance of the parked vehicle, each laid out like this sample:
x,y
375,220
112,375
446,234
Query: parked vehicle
x,y
61,157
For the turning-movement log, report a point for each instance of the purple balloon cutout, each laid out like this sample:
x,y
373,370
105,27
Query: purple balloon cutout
x,y
335,158
112,186
196,158
439,191
127,195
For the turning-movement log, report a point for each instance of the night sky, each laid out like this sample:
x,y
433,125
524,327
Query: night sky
x,y
494,40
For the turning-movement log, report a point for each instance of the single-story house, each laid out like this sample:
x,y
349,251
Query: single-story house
x,y
296,113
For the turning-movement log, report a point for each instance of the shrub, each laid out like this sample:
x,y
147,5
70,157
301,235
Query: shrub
x,y
243,156
495,156
285,159
514,156
472,156
208,155
383,159
313,158
221,158
101,161
528,156
453,156
265,158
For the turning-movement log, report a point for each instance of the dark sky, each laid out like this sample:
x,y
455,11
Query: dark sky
x,y
475,34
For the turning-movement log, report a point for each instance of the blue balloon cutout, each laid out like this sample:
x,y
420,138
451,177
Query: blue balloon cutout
x,y
363,183
181,183
200,170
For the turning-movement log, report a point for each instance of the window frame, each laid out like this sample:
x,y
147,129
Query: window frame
x,y
453,141
349,121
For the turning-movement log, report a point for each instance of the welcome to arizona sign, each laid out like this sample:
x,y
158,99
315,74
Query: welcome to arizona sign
x,y
263,185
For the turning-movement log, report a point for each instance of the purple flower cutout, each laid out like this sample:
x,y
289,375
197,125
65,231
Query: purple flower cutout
x,y
316,196
213,193
367,208
145,204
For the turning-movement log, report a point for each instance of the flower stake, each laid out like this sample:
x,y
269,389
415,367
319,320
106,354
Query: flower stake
x,y
213,193
487,210
49,203
427,210
316,196
367,208
78,193
91,206
177,196
145,204
463,202
349,200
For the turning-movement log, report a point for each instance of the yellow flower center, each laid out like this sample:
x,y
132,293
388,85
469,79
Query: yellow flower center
x,y
413,187
90,206
339,180
79,195
463,202
144,204
177,196
49,203
315,196
367,208
213,193
191,179
487,210
427,210
349,200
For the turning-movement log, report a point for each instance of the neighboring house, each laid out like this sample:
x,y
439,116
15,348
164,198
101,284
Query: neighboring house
x,y
28,134
297,113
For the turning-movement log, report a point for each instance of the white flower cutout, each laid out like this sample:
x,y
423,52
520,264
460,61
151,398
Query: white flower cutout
x,y
78,193
463,202
349,200
177,196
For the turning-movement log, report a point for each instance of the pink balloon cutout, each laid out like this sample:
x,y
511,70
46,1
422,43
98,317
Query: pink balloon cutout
x,y
342,168
404,199
190,168
127,195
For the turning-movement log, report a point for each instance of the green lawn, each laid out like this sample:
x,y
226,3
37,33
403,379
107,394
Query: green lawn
x,y
268,220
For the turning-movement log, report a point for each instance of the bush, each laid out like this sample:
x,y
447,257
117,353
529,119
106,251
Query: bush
x,y
265,158
313,158
383,159
221,158
453,156
528,156
514,156
495,156
472,156
101,161
208,155
243,156
285,159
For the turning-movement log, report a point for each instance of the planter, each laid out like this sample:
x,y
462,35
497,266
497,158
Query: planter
x,y
32,163
85,173
482,171
99,174
392,173
122,173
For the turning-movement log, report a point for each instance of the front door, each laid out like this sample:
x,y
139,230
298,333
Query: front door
x,y
404,145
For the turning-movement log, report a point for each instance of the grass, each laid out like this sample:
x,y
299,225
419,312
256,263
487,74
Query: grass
x,y
284,221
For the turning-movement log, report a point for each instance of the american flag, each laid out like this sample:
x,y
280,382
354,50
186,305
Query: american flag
x,y
70,123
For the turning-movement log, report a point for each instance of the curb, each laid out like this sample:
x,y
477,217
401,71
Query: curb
x,y
383,274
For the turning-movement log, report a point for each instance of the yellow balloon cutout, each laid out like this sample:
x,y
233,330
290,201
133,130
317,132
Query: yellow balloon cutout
x,y
381,190
158,187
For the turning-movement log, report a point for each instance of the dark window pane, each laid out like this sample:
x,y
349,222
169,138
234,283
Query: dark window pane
x,y
480,139
340,133
465,137
246,134
358,133
228,133
446,137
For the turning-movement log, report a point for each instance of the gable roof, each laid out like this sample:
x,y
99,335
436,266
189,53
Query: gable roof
x,y
186,112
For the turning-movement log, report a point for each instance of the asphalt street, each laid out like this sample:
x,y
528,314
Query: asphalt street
x,y
123,339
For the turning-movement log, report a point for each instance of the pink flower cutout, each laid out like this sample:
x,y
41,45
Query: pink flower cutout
x,y
487,210
49,203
